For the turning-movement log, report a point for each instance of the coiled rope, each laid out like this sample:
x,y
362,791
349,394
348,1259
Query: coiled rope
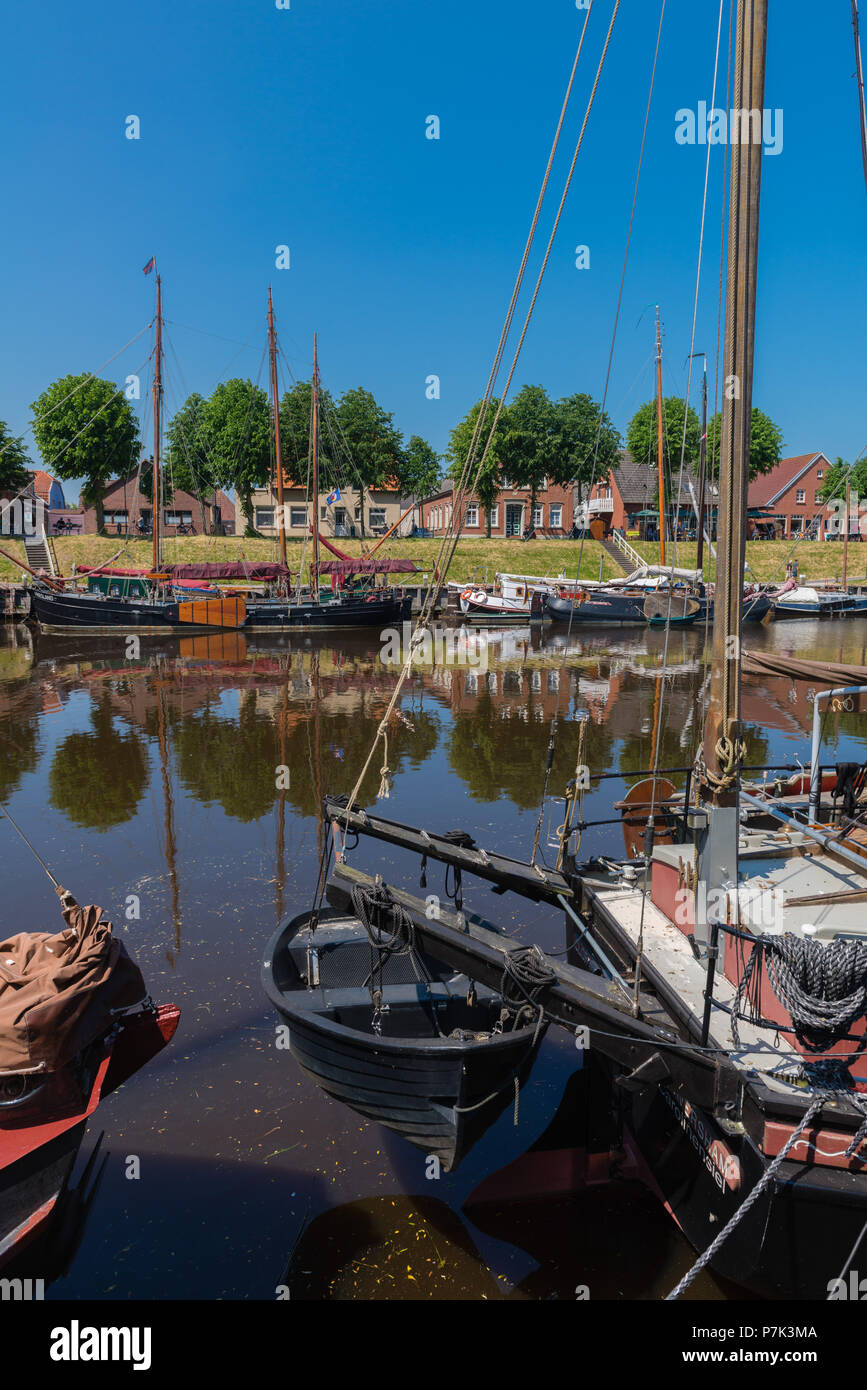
x,y
822,985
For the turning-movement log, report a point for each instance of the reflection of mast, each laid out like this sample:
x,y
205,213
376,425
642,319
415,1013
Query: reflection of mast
x,y
317,743
280,879
169,822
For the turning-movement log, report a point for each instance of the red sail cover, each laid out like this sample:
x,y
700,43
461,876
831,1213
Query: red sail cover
x,y
58,992
364,566
229,569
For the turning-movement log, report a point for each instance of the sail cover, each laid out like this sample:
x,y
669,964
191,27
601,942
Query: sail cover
x,y
364,566
228,569
58,992
831,673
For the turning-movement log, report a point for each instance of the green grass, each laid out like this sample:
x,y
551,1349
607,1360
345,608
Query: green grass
x,y
474,559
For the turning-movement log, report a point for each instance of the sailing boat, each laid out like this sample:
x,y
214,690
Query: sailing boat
x,y
132,599
375,608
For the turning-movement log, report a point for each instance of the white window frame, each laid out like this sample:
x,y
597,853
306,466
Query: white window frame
x,y
800,496
472,516
538,515
298,518
377,516
555,514
495,516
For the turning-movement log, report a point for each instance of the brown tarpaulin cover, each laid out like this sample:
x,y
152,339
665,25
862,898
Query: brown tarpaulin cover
x,y
57,992
228,569
831,673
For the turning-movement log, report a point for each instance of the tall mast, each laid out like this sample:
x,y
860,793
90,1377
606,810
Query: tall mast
x,y
158,400
278,453
859,75
846,535
718,866
315,443
659,433
702,471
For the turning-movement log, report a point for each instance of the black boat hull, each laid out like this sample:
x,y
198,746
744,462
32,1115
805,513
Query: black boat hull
x,y
274,616
440,1094
60,612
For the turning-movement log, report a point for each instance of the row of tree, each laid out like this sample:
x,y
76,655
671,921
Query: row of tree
x,y
87,429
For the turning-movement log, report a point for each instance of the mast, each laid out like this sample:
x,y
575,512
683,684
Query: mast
x,y
859,73
158,399
314,577
702,471
718,846
278,453
846,536
659,433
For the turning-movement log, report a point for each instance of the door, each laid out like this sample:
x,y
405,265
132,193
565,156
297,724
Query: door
x,y
514,513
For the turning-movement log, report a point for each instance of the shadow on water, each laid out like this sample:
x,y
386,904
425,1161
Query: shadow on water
x,y
150,786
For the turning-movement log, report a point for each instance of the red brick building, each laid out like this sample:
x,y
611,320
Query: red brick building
x,y
512,513
790,494
125,505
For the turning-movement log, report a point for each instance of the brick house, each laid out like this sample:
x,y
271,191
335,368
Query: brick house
x,y
632,489
125,506
512,512
789,494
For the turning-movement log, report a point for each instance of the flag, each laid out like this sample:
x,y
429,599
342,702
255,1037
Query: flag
x,y
333,496
151,265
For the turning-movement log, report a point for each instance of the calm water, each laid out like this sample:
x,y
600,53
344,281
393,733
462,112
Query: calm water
x,y
156,778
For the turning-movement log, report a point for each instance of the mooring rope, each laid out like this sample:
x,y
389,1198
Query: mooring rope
x,y
822,985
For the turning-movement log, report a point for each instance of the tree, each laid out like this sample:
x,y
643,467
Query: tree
x,y
236,422
642,434
487,487
188,464
577,457
766,442
419,468
85,428
374,442
295,419
15,463
530,440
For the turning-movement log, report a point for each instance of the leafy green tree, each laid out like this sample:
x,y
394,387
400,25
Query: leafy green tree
x,y
530,441
642,434
187,462
85,428
15,463
236,422
295,420
766,442
374,442
487,488
577,424
420,468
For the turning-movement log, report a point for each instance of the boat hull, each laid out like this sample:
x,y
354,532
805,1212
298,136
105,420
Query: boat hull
x,y
273,616
60,612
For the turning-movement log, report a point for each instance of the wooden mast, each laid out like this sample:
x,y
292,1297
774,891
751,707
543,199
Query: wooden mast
x,y
659,436
702,470
846,536
314,577
278,452
718,849
158,399
859,76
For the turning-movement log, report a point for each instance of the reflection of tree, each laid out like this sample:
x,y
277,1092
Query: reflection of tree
x,y
234,763
98,779
19,751
506,757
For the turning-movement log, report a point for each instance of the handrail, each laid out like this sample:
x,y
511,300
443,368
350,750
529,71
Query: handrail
x,y
623,544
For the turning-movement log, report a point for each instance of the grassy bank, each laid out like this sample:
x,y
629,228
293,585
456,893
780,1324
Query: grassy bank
x,y
474,558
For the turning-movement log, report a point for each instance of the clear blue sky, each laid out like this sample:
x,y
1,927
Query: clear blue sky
x,y
306,126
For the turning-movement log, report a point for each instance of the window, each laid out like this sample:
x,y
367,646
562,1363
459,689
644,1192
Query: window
x,y
796,523
818,474
186,518
264,517
801,495
543,486
538,516
297,516
816,498
323,512
472,515
376,516
556,515
357,513
117,518
495,511
504,483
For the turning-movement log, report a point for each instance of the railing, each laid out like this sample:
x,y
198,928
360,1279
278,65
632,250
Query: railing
x,y
623,544
601,504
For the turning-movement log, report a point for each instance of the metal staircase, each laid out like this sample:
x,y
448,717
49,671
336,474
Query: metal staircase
x,y
39,553
622,554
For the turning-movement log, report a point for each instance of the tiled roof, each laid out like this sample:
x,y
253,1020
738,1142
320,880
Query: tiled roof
x,y
768,489
638,482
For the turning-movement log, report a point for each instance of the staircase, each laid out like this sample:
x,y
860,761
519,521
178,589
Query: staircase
x,y
39,554
621,553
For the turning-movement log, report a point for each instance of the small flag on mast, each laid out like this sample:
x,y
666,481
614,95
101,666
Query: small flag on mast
x,y
333,496
151,265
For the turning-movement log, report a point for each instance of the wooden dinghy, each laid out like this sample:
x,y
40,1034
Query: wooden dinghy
x,y
393,1033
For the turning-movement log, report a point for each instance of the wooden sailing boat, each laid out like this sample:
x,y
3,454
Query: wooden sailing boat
x,y
131,600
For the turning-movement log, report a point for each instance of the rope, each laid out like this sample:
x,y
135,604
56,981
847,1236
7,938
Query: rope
x,y
33,851
729,753
823,986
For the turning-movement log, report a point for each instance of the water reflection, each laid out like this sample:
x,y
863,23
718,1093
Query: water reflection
x,y
157,777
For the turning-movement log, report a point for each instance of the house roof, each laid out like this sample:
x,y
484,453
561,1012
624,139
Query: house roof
x,y
767,490
125,491
639,482
42,483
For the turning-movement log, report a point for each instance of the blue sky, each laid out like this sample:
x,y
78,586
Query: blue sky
x,y
306,127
